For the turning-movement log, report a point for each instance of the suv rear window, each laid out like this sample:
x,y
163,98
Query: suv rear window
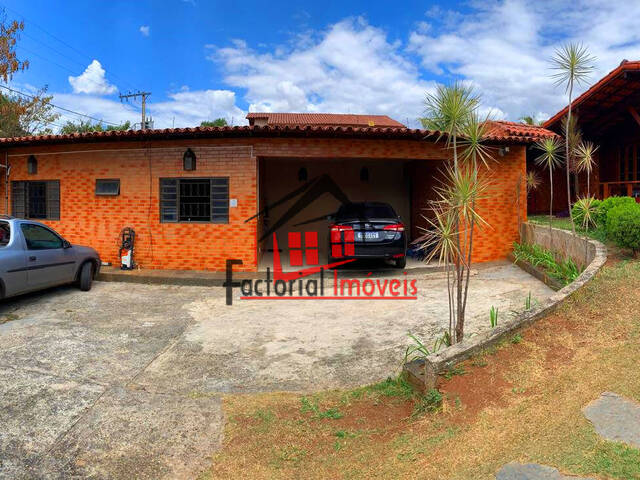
x,y
366,210
5,234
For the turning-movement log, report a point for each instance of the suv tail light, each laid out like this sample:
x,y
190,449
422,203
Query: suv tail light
x,y
396,227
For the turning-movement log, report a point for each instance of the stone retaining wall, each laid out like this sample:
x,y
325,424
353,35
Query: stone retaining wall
x,y
423,374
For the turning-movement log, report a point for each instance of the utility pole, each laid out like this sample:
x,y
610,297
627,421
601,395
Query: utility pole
x,y
144,96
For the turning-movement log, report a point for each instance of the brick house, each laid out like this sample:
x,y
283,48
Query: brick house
x,y
192,194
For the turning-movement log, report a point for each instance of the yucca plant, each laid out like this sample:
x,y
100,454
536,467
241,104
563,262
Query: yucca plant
x,y
572,64
585,160
550,158
447,110
449,233
532,180
585,212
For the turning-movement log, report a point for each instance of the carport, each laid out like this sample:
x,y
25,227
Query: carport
x,y
297,194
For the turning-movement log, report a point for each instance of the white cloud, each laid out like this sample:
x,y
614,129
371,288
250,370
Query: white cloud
x,y
189,108
503,48
351,68
145,30
92,81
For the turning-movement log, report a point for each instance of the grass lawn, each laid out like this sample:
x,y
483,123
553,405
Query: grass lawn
x,y
519,402
565,224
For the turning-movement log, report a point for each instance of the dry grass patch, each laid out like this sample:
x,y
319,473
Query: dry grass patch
x,y
521,402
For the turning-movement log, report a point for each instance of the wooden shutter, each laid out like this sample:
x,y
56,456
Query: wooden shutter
x,y
168,200
53,200
220,200
18,199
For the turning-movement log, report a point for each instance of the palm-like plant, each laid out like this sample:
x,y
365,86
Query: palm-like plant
x,y
448,110
532,181
572,64
550,158
585,155
449,235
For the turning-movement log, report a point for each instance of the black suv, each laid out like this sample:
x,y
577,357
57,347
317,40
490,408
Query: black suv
x,y
367,230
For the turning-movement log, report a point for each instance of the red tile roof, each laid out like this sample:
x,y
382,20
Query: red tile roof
x,y
505,129
608,86
505,132
325,119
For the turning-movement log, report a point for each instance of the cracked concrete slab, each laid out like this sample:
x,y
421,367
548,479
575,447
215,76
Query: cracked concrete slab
x,y
122,381
304,345
35,410
532,471
615,418
135,433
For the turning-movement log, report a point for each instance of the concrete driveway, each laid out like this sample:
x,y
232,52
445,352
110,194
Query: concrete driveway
x,y
125,381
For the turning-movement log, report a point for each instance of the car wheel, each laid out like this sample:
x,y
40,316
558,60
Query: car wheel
x,y
85,279
401,262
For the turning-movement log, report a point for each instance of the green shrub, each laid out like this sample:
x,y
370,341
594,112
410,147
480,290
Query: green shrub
x,y
585,213
623,226
607,205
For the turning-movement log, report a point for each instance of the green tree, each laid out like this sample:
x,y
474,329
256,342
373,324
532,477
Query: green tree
x,y
20,114
88,126
26,115
573,64
218,122
530,120
9,36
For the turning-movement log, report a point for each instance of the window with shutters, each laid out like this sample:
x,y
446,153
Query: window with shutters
x,y
36,199
194,200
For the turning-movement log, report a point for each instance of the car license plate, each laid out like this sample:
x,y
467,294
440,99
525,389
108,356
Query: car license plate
x,y
367,235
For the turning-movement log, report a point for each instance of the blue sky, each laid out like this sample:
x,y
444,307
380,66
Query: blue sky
x,y
205,59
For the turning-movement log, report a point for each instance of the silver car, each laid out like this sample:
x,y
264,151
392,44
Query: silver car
x,y
33,257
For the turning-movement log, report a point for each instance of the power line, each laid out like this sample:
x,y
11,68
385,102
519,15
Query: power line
x,y
82,54
61,108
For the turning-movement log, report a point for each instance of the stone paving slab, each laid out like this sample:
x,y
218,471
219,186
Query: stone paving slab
x,y
532,471
135,434
615,418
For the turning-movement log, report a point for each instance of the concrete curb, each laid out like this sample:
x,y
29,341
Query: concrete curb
x,y
423,374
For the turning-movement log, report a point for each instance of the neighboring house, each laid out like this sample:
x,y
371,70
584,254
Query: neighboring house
x,y
192,194
609,116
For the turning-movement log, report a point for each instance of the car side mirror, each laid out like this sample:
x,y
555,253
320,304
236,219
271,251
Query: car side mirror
x,y
66,244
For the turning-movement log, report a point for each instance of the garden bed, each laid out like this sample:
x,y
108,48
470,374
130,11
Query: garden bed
x,y
423,373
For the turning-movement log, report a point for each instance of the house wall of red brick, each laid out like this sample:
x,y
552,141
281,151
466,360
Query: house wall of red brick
x,y
97,221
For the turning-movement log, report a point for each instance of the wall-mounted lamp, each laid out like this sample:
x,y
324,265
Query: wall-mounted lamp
x,y
189,160
502,151
32,165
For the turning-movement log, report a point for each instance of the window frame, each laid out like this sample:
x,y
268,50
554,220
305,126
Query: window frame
x,y
44,227
51,187
212,221
6,224
105,180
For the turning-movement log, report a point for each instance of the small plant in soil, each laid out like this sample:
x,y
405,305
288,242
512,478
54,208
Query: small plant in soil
x,y
527,302
430,402
517,338
493,317
310,406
